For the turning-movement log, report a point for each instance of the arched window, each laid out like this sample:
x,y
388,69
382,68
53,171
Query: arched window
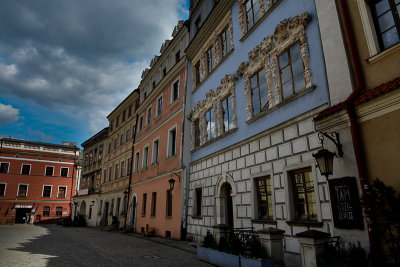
x,y
46,211
59,211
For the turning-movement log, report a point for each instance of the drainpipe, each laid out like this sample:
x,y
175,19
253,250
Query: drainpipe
x,y
185,187
131,168
350,109
72,185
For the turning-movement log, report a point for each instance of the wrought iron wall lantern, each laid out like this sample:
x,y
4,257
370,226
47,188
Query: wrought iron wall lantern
x,y
324,157
171,183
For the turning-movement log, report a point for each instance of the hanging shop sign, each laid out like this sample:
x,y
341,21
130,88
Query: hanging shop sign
x,y
345,201
23,206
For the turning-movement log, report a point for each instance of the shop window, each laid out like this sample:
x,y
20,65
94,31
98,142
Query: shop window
x,y
304,201
46,211
264,198
46,191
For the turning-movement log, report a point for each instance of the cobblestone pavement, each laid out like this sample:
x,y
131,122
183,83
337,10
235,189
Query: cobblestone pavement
x,y
54,245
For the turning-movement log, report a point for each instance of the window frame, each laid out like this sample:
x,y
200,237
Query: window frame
x,y
57,210
169,203
252,13
176,82
61,169
27,188
43,189
136,162
214,130
171,149
148,117
8,167
228,100
5,189
227,42
145,158
258,87
45,170
158,107
65,192
144,204
140,123
210,59
116,171
155,154
153,204
22,168
258,197
197,208
47,214
197,132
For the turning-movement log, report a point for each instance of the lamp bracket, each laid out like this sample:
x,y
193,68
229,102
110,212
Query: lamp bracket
x,y
334,137
174,173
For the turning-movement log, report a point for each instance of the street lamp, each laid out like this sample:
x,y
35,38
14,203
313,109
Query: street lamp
x,y
324,157
171,184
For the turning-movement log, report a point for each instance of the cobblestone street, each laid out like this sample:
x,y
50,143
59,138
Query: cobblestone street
x,y
53,245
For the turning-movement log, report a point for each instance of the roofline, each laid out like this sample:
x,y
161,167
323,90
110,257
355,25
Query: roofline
x,y
98,134
13,140
120,104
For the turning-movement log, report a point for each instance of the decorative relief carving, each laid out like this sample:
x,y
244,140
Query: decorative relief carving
x,y
164,46
145,72
203,65
265,55
153,61
177,28
242,18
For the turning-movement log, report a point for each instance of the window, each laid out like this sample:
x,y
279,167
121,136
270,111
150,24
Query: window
x,y
159,105
145,157
111,126
122,168
164,72
253,13
109,174
154,159
117,207
292,72
123,115
305,207
115,142
140,123
226,42
127,135
197,73
2,189
105,176
144,204
59,211
196,133
117,122
90,212
112,207
153,204
46,211
136,167
121,140
259,92
49,170
4,166
210,124
169,203
387,21
264,198
210,59
177,56
46,191
171,143
227,112
128,166
62,192
26,169
197,24
198,199
64,172
100,155
130,110
22,190
154,85
109,147
175,91
116,171
148,116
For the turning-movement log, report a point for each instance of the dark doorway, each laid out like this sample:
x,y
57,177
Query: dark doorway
x,y
229,205
132,217
105,214
21,215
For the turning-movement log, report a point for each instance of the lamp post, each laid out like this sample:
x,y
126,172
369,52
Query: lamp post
x,y
324,157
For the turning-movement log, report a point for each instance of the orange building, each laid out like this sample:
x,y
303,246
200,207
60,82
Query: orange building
x,y
156,185
36,180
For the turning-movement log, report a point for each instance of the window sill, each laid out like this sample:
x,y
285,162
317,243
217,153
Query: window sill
x,y
249,31
214,69
170,157
197,217
152,216
261,221
305,223
168,217
214,139
174,103
154,165
284,102
384,53
143,215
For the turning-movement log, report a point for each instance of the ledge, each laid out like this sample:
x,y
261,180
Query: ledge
x,y
266,14
284,102
384,53
214,139
305,223
197,217
260,221
313,234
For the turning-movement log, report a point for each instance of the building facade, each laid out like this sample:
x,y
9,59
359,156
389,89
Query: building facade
x,y
86,199
258,79
36,180
155,206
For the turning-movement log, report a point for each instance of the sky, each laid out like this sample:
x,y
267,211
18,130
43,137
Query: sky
x,y
66,64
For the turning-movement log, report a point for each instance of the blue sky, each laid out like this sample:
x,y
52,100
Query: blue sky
x,y
65,65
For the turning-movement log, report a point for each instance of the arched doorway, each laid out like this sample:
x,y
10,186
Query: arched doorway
x,y
82,209
227,191
226,201
105,215
132,216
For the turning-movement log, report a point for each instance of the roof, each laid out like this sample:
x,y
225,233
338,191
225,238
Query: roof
x,y
96,138
13,140
357,98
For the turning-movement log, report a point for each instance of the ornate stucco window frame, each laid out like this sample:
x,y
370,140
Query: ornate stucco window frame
x,y
265,55
213,100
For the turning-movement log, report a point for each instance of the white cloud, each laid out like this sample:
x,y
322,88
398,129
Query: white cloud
x,y
8,114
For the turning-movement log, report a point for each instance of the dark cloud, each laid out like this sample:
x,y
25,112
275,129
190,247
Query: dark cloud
x,y
80,56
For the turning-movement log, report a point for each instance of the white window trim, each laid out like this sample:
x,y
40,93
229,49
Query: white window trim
x,y
136,169
369,28
158,152
172,89
9,164
67,171
253,193
45,168
51,190
169,130
27,188
289,193
30,168
5,189
147,158
161,96
140,126
147,115
66,188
